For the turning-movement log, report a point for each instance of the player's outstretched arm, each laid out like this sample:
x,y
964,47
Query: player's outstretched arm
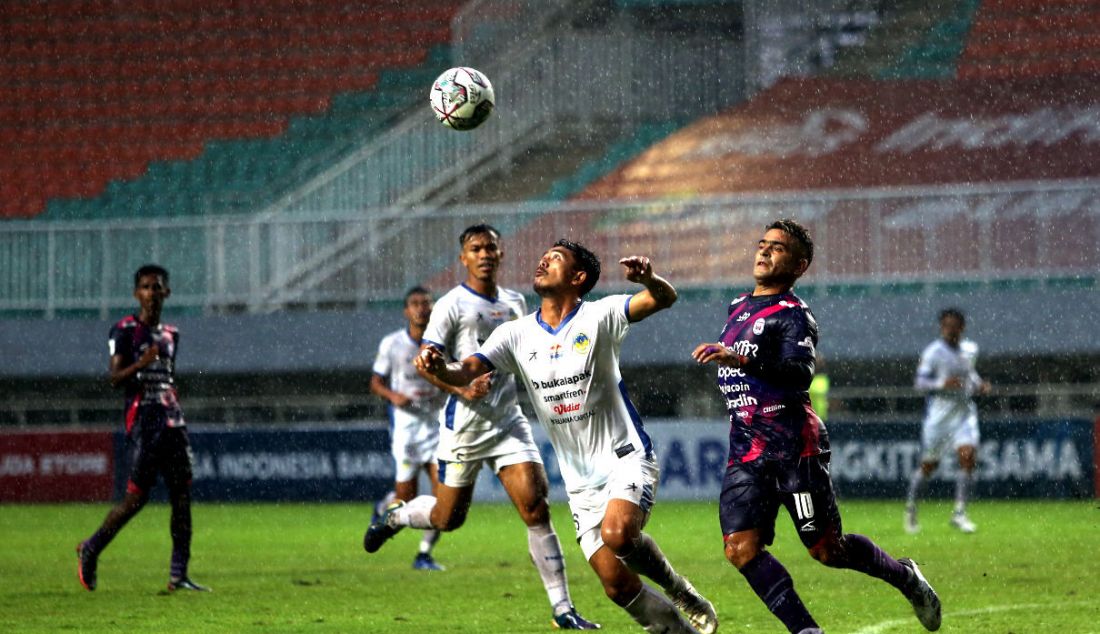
x,y
658,294
430,363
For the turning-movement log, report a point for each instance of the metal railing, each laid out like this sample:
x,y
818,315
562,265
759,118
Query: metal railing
x,y
879,237
880,404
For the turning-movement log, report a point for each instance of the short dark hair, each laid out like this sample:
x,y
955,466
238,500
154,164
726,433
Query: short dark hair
x,y
799,233
416,290
587,261
477,229
150,269
953,312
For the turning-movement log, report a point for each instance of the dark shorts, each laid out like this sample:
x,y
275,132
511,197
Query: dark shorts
x,y
752,493
158,450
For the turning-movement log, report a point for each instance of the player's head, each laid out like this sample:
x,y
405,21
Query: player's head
x,y
480,252
783,254
567,265
952,325
151,287
418,306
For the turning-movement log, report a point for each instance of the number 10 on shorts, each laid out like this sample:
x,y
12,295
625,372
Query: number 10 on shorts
x,y
803,506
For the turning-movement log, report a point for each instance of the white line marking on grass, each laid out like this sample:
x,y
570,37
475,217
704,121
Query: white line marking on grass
x,y
884,626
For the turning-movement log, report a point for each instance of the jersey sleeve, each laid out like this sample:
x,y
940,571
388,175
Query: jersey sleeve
x,y
791,364
382,364
441,325
118,342
616,314
499,348
927,375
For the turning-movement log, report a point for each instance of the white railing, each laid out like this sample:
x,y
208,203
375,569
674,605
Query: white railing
x,y
878,237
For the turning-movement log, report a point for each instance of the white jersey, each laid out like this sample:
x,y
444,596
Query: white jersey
x,y
939,362
461,321
394,362
572,375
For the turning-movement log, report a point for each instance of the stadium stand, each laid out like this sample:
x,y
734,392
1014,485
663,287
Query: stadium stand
x,y
1033,38
123,108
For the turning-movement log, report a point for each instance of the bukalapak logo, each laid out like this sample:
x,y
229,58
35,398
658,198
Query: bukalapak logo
x,y
562,382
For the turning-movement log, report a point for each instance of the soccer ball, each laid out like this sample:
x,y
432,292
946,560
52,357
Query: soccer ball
x,y
462,98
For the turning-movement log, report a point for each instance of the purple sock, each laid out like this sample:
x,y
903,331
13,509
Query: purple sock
x,y
773,584
98,541
863,555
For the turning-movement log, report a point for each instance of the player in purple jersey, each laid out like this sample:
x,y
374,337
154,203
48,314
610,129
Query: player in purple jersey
x,y
143,359
779,450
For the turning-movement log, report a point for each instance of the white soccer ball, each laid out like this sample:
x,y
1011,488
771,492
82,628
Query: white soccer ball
x,y
462,98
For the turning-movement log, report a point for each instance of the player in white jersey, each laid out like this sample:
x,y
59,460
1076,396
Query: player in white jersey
x,y
567,354
947,375
488,431
414,406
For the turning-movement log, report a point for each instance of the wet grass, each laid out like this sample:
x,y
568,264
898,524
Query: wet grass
x,y
1032,567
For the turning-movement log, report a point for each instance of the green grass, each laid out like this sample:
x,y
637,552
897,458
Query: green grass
x,y
1032,567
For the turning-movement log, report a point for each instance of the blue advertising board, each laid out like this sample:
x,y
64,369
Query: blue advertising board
x,y
1045,459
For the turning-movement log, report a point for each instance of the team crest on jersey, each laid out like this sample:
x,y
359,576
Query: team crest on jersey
x,y
555,351
581,343
758,326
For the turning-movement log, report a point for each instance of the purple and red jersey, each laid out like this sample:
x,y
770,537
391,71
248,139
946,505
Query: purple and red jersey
x,y
151,397
767,399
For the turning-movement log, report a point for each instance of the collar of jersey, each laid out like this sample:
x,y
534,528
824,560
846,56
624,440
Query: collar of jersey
x,y
411,338
564,322
485,297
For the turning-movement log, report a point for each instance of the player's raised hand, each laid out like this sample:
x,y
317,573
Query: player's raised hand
x,y
478,388
429,361
638,268
717,353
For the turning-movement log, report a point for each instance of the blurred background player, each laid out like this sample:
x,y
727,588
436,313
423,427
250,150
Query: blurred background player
x,y
490,431
947,376
414,406
779,448
569,351
143,363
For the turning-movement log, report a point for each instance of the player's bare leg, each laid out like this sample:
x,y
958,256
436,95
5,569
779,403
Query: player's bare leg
x,y
768,578
528,488
965,480
621,532
445,511
651,610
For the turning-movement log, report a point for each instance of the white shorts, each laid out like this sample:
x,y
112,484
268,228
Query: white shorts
x,y
413,442
514,446
948,433
634,479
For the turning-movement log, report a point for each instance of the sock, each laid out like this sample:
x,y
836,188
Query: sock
x,y
116,518
655,613
181,541
381,505
545,549
863,555
962,489
916,484
646,558
416,513
427,542
773,584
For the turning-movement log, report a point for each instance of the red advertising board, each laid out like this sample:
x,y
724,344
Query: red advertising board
x,y
822,133
56,467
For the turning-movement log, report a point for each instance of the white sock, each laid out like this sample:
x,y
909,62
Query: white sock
x,y
655,613
962,489
916,483
427,542
388,499
646,559
545,549
416,513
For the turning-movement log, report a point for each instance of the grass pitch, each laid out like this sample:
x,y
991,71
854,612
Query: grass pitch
x,y
1032,567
